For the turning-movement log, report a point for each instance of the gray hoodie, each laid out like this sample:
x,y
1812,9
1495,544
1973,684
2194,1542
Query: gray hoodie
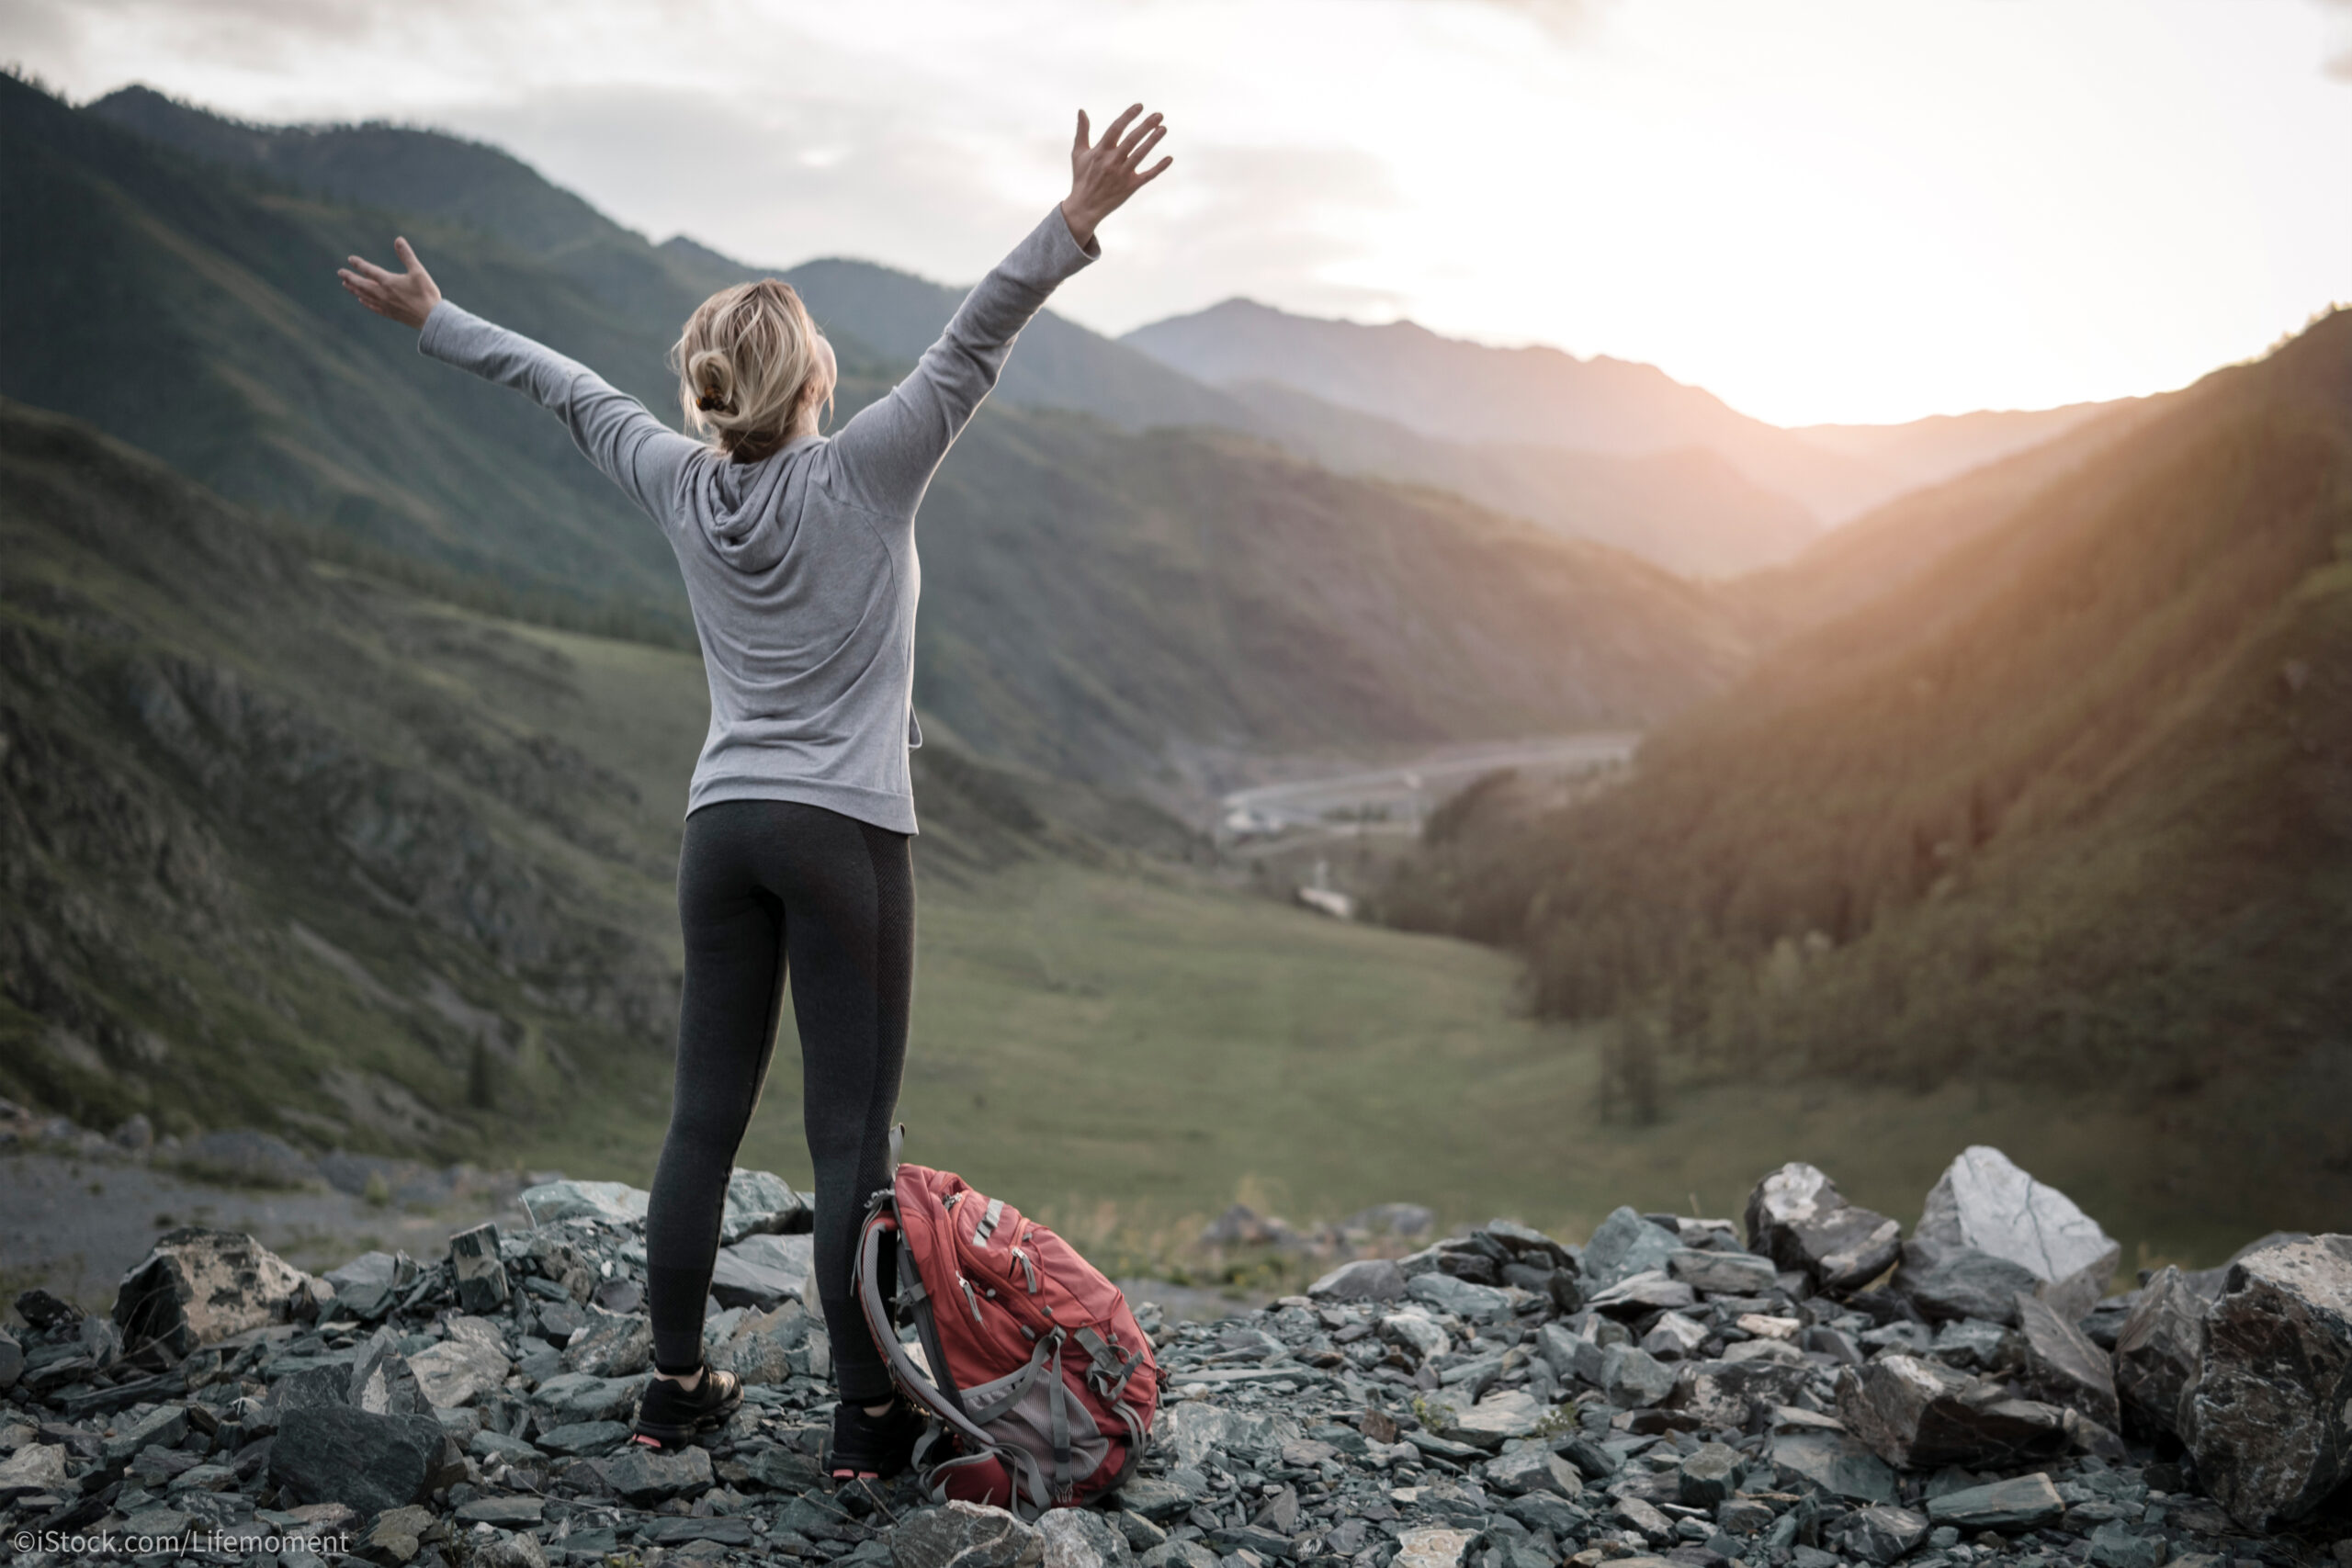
x,y
800,568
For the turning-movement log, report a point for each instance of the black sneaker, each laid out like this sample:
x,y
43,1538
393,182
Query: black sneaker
x,y
668,1416
871,1445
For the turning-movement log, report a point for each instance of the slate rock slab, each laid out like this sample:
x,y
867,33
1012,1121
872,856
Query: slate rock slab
x,y
1947,1281
1835,1464
1720,1273
197,1286
1708,1477
1080,1538
966,1535
1444,1292
1365,1279
2021,1503
1625,1245
476,1267
760,1202
615,1203
1919,1415
1882,1533
643,1477
609,1344
1985,1202
340,1454
1797,1218
33,1469
2059,1364
761,1271
2158,1349
470,1362
1532,1469
2269,1417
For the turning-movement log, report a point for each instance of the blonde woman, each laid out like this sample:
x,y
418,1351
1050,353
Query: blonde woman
x,y
799,555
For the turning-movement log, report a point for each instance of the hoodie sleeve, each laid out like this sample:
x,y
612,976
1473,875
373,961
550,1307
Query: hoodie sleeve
x,y
884,457
634,449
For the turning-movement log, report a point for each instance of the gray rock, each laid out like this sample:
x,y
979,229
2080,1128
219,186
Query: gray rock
x,y
1160,1501
1532,1469
1797,1218
2022,1502
1738,1395
1722,1273
1365,1279
1446,1294
615,1203
517,1512
584,1436
197,1286
759,1348
1985,1202
1638,1295
12,1360
162,1426
578,1396
761,1202
471,1362
2269,1415
2157,1349
1642,1517
1835,1464
968,1534
2117,1545
34,1469
1974,1343
1080,1538
1674,1337
1175,1554
1919,1415
1631,1379
504,1549
2059,1365
341,1454
382,1382
474,1264
1946,1281
1624,1246
610,1344
1883,1534
1708,1476
642,1477
1488,1422
762,1270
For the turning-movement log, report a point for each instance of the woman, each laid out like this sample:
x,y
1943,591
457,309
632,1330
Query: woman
x,y
799,556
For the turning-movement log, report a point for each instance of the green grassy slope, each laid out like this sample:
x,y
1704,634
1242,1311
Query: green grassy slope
x,y
2074,806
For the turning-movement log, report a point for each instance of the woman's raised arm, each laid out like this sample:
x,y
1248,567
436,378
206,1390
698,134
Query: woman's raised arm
x,y
634,449
886,455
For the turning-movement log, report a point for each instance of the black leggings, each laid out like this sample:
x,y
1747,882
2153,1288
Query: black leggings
x,y
768,888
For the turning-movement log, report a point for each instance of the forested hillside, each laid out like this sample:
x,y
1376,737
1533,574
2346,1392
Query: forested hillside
x,y
2075,802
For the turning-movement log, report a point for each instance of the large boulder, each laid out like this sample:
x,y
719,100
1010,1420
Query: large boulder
x,y
197,1286
615,1203
2269,1415
1797,1218
2157,1349
1984,1203
341,1454
1918,1415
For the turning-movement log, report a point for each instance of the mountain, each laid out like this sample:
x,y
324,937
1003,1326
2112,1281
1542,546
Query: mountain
x,y
284,844
2071,804
1480,395
1688,511
1099,602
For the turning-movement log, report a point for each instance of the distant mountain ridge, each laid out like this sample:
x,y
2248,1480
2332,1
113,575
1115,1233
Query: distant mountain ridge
x,y
1097,601
1467,393
1684,512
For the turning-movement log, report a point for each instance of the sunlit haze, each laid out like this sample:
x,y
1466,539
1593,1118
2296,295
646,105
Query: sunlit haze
x,y
1820,211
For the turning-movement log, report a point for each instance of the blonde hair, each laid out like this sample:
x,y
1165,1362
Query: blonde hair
x,y
747,367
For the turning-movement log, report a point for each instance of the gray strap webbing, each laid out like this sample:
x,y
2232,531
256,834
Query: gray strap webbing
x,y
980,1231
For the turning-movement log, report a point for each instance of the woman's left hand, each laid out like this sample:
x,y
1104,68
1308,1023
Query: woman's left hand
x,y
406,296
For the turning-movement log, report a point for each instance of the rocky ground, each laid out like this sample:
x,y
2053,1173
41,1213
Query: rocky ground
x,y
1804,1390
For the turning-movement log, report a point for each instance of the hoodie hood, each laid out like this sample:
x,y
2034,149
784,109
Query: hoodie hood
x,y
749,512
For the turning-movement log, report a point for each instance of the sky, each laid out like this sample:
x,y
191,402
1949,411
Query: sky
x,y
1845,210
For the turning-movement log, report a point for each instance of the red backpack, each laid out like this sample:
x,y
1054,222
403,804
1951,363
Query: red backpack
x,y
1043,1385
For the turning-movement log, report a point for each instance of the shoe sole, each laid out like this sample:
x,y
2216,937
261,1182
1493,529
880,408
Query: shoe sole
x,y
664,1435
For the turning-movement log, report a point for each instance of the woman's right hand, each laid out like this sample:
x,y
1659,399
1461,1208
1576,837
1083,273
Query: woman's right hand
x,y
406,296
1103,175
